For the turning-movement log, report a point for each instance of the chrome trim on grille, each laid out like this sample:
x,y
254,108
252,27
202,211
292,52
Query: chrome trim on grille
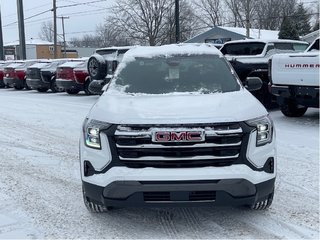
x,y
198,145
221,142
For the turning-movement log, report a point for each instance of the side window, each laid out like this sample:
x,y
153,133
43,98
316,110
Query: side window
x,y
270,47
299,47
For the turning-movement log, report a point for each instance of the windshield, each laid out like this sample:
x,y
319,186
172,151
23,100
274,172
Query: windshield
x,y
161,75
247,48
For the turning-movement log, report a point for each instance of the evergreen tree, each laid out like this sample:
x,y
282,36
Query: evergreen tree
x,y
288,30
302,20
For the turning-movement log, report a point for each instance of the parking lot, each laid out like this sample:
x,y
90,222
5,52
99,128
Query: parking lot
x,y
40,186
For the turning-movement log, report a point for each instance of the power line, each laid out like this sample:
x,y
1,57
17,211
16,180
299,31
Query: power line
x,y
35,15
87,4
78,4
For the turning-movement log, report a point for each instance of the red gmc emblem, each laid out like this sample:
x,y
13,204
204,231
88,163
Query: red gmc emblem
x,y
181,136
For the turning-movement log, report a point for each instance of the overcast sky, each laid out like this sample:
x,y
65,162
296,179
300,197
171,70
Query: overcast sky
x,y
82,18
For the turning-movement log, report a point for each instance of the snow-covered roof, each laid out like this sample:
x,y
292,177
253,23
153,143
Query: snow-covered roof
x,y
266,41
72,64
173,49
30,42
254,33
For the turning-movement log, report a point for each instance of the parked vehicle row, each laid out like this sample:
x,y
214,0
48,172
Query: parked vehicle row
x,y
58,75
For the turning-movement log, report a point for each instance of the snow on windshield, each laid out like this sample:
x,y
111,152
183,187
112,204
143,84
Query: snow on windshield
x,y
204,74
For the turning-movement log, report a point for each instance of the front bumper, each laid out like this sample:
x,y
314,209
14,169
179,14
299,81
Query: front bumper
x,y
112,182
219,192
37,83
13,82
305,95
69,84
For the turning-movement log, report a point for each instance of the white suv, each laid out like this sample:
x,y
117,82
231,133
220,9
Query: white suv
x,y
176,126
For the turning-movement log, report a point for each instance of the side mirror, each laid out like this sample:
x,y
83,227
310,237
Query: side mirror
x,y
253,83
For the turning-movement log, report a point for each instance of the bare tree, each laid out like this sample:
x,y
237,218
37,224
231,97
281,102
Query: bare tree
x,y
268,14
243,12
142,20
111,35
209,12
236,18
46,31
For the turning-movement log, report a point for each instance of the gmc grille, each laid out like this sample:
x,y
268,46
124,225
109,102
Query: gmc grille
x,y
220,147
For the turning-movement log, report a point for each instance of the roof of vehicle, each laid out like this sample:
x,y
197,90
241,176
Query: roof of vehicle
x,y
39,64
173,49
71,64
14,65
114,48
265,41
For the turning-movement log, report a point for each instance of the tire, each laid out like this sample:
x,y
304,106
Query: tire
x,y
94,207
86,86
97,67
291,109
26,85
42,89
18,87
263,204
72,91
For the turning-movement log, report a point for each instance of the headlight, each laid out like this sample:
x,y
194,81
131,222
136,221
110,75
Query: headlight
x,y
264,128
91,130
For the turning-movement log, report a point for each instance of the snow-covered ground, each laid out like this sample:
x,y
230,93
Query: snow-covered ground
x,y
40,187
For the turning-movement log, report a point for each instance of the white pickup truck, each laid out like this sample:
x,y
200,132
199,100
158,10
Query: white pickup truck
x,y
294,80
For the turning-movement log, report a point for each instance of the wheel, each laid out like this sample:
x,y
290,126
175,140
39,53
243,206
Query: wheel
x,y
94,207
86,86
263,204
42,89
72,91
97,67
291,109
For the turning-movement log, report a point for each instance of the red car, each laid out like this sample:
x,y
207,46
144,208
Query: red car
x,y
15,74
73,77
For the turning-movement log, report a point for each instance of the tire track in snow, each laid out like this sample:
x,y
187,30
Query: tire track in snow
x,y
165,219
192,221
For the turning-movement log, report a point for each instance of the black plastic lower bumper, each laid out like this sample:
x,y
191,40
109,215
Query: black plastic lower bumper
x,y
304,95
37,83
14,82
233,192
65,84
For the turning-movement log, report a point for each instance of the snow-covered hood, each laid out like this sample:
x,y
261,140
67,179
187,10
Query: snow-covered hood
x,y
177,108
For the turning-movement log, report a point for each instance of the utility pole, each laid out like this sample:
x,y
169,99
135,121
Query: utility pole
x,y
248,18
177,21
1,39
22,37
64,36
55,48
